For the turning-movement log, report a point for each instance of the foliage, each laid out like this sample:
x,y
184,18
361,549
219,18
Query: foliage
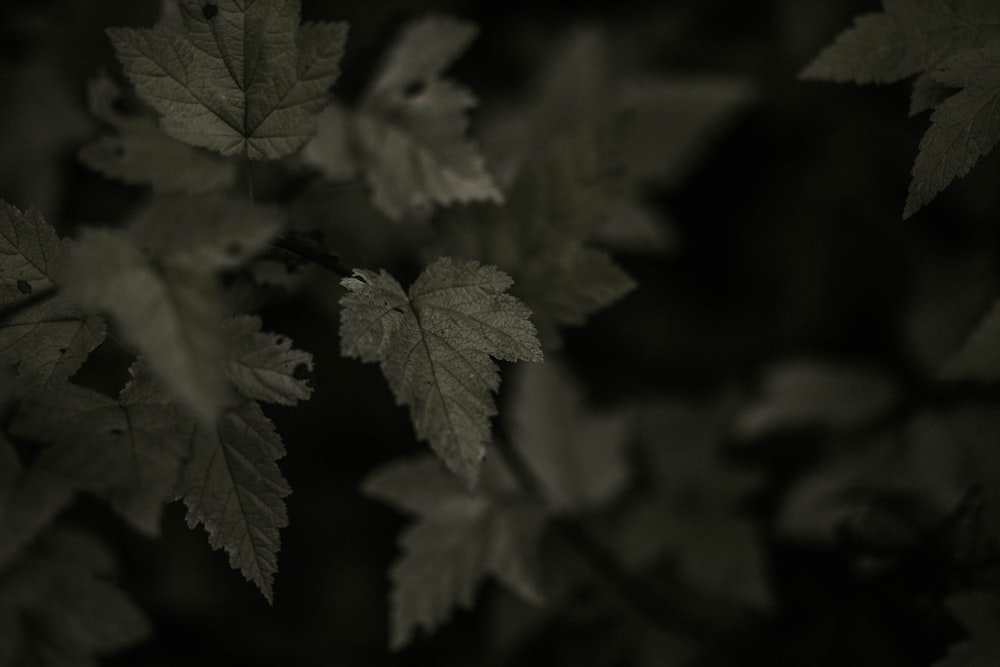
x,y
671,479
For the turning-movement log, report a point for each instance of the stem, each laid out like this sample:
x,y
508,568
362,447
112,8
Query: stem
x,y
323,259
698,615
246,162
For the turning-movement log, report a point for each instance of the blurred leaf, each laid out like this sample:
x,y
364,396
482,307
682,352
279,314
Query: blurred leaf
x,y
59,608
578,455
980,614
141,154
408,135
541,235
459,538
808,393
165,297
128,451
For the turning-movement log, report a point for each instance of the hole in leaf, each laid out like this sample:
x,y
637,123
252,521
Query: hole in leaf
x,y
414,88
62,350
280,340
301,372
24,287
116,431
209,11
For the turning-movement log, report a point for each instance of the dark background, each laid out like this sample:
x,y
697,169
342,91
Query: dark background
x,y
789,242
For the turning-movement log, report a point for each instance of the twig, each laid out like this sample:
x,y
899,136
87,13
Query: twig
x,y
323,259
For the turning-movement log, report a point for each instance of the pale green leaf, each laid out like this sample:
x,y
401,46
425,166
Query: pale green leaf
x,y
809,393
458,539
171,315
541,236
434,346
128,451
49,339
139,153
964,127
907,38
166,298
409,132
980,614
60,608
577,454
264,366
235,77
232,485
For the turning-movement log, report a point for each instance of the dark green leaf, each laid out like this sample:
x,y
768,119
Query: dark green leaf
x,y
244,78
434,345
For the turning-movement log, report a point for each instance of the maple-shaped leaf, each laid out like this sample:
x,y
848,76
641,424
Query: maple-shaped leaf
x,y
979,613
29,501
141,154
434,345
409,131
236,76
577,455
458,539
59,606
45,336
964,127
232,485
128,451
158,280
693,516
541,236
906,38
264,366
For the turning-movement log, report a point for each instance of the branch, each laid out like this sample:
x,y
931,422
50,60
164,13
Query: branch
x,y
319,257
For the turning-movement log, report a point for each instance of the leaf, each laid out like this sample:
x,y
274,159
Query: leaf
x,y
980,614
48,339
434,346
694,517
459,538
263,366
128,451
541,236
232,485
979,357
409,131
907,38
811,393
29,502
167,301
577,454
964,127
141,154
58,606
236,77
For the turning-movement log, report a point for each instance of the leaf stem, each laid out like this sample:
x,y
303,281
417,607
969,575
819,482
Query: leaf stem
x,y
321,258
